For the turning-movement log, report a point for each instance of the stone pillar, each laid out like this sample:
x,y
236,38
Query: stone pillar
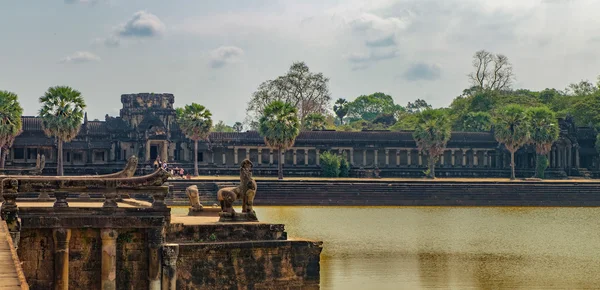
x,y
364,157
375,158
409,157
558,158
305,157
148,150
552,158
464,157
387,157
485,158
570,157
155,239
475,158
452,156
61,258
442,157
397,157
235,155
165,153
169,266
577,156
259,156
351,156
248,153
295,160
224,156
270,156
318,157
420,158
109,259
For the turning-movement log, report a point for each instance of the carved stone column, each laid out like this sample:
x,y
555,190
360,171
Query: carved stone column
x,y
235,155
169,266
365,157
270,156
318,155
259,156
577,156
155,239
147,150
558,158
452,155
409,157
375,158
387,157
248,153
569,157
552,157
397,157
420,158
224,156
442,158
109,259
464,157
305,156
351,156
485,158
475,158
61,258
295,160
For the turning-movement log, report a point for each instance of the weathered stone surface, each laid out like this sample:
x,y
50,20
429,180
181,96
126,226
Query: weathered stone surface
x,y
245,191
225,232
249,265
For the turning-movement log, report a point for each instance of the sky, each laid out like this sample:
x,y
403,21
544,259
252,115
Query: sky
x,y
216,53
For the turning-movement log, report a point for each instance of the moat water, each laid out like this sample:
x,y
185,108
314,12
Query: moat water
x,y
449,247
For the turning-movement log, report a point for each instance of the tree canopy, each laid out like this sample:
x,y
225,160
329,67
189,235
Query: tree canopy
x,y
368,107
432,133
195,121
511,128
279,126
10,122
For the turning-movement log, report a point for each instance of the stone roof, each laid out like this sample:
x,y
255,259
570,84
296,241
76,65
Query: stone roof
x,y
31,123
97,127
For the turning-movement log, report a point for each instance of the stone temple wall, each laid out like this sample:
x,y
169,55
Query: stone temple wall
x,y
36,251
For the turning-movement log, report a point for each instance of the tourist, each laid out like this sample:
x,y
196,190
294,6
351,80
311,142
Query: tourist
x,y
156,164
181,171
165,166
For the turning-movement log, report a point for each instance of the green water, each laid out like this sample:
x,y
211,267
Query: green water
x,y
450,247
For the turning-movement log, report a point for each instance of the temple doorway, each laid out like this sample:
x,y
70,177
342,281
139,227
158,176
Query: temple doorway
x,y
153,152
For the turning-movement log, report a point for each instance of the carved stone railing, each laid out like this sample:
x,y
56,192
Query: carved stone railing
x,y
40,164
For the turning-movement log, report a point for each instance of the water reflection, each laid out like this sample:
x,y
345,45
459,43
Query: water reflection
x,y
450,248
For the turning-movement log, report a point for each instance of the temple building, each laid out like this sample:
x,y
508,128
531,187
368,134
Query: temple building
x,y
147,127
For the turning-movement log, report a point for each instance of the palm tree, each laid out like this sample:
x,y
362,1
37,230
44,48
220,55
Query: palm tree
x,y
238,127
279,126
432,132
341,109
544,132
61,114
10,122
195,122
511,128
314,121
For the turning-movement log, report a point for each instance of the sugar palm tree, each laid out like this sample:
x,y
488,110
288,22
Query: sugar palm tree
x,y
432,132
511,128
544,132
10,122
314,121
61,114
341,109
195,122
279,126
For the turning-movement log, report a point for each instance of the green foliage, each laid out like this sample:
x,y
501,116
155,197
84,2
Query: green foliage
x,y
344,168
314,121
385,120
541,163
62,112
10,118
417,106
341,109
586,110
511,128
279,126
476,122
330,164
544,129
431,134
195,121
597,143
405,121
238,127
222,127
368,107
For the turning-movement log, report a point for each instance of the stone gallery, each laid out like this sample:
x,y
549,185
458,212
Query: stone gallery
x,y
147,127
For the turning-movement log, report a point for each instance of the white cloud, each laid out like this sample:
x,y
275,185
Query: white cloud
x,y
111,41
225,55
423,71
80,57
142,24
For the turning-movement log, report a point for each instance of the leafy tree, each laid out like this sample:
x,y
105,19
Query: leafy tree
x,y
195,122
431,134
341,109
544,132
222,127
582,88
511,128
330,164
418,106
370,106
385,120
492,71
10,122
61,114
476,122
344,167
279,126
238,127
314,121
308,92
586,110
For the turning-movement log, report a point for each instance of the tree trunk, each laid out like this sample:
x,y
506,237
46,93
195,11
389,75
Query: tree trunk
x,y
431,162
512,165
59,161
1,158
195,157
279,165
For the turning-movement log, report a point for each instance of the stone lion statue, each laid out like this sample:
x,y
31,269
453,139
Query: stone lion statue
x,y
192,193
244,192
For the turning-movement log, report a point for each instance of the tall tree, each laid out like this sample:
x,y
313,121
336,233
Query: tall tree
x,y
341,109
279,126
195,122
492,71
306,91
238,127
368,107
314,121
511,128
222,127
544,132
417,106
476,122
432,133
61,114
10,122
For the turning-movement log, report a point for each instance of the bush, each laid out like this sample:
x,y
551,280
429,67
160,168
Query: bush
x,y
541,165
344,167
330,164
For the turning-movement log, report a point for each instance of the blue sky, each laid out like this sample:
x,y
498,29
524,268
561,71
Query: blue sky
x,y
217,52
